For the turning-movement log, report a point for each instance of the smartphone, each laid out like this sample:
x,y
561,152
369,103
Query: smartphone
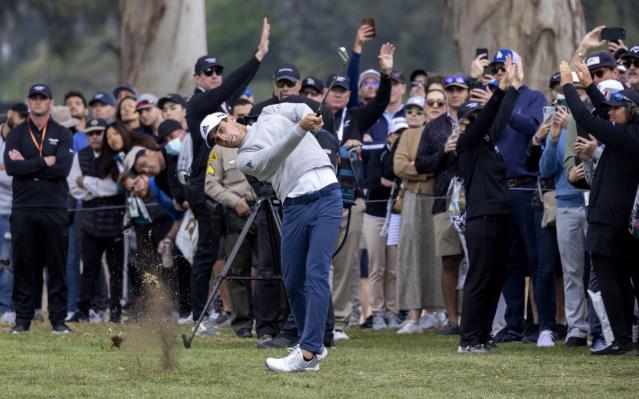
x,y
613,34
479,51
549,111
371,22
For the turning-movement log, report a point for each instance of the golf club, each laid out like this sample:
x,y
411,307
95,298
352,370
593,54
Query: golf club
x,y
343,55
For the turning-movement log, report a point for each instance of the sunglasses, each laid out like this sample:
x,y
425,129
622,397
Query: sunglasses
x,y
449,80
370,84
414,112
280,84
629,63
435,103
498,68
599,73
213,70
416,83
94,133
307,93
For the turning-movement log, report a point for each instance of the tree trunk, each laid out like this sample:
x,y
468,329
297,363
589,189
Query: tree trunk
x,y
543,32
160,41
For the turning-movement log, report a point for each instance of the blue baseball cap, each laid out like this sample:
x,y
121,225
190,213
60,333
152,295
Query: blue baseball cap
x,y
102,97
500,56
40,89
456,80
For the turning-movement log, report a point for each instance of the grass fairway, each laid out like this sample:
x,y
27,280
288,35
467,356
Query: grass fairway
x,y
370,365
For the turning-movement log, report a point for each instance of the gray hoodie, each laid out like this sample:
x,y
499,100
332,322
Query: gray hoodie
x,y
277,150
5,184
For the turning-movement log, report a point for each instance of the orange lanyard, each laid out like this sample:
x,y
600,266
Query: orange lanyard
x,y
35,142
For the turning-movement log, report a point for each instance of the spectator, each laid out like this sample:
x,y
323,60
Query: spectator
x,y
248,95
101,228
39,216
435,104
173,106
418,81
356,82
118,141
102,106
150,115
75,101
123,91
312,88
242,108
128,114
631,62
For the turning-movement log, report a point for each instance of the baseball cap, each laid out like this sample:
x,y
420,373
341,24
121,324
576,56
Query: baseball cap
x,y
102,97
500,56
206,61
397,124
132,156
286,72
609,86
20,108
369,73
624,97
416,72
416,101
209,123
397,76
172,97
95,125
313,83
467,109
633,52
41,89
146,100
125,87
62,116
555,79
167,127
455,80
342,81
600,59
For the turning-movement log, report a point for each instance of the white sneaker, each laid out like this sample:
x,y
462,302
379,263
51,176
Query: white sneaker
x,y
546,339
292,363
206,328
411,327
339,335
69,316
8,318
320,356
94,317
185,320
428,322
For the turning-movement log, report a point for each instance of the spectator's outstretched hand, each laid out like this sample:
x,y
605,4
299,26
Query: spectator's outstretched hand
x,y
262,46
614,47
364,34
583,73
565,73
511,73
592,39
386,58
478,65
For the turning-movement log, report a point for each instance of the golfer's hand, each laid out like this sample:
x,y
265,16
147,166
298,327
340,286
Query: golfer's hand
x,y
242,208
311,122
386,58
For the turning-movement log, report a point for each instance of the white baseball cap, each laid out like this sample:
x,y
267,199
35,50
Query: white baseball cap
x,y
209,123
609,86
397,124
417,101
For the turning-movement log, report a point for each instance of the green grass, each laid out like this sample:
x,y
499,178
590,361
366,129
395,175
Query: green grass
x,y
370,365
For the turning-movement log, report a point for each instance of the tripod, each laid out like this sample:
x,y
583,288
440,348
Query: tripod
x,y
275,221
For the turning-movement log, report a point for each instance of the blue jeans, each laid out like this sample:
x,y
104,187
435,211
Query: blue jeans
x,y
309,233
523,254
6,266
544,274
73,267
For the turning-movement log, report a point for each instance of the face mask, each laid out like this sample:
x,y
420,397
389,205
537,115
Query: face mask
x,y
174,147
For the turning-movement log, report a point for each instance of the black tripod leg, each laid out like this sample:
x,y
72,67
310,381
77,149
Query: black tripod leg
x,y
220,277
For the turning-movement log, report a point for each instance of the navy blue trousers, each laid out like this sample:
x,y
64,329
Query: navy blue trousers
x,y
309,233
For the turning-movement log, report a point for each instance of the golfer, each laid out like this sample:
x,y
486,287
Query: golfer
x,y
279,149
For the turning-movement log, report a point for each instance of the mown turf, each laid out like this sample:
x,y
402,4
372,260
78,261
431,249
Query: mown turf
x,y
370,365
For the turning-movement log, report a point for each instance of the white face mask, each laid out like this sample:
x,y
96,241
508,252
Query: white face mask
x,y
174,147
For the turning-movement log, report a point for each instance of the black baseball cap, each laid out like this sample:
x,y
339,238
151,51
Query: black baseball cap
x,y
313,83
467,109
172,97
41,89
130,88
102,97
600,59
416,72
206,61
95,125
555,79
20,108
398,76
633,52
168,127
342,81
286,72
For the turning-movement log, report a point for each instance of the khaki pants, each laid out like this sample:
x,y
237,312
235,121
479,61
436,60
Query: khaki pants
x,y
344,265
382,267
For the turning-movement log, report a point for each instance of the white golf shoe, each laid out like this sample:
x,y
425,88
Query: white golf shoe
x,y
293,363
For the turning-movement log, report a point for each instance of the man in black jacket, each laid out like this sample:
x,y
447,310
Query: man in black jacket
x,y
210,95
101,228
38,154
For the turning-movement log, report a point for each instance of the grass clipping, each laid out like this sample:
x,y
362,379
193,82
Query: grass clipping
x,y
153,340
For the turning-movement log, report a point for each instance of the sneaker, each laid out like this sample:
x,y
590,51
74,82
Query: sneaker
x,y
393,322
8,318
186,320
292,363
576,341
244,333
428,322
38,316
449,329
411,327
223,319
19,329
320,356
94,317
278,342
78,317
379,322
61,329
207,328
531,335
561,331
368,323
481,348
441,317
261,340
490,345
69,316
340,335
635,332
616,349
546,339
598,343
507,334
